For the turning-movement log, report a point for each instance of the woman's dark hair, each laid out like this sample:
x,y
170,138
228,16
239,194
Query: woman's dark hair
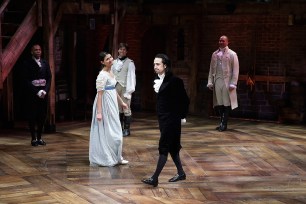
x,y
165,60
102,56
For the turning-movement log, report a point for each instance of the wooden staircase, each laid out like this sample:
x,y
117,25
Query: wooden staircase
x,y
19,22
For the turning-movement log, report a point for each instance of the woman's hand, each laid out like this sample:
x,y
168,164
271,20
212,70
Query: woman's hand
x,y
124,106
99,116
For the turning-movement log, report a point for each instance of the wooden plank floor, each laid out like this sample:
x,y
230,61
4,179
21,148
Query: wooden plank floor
x,y
253,162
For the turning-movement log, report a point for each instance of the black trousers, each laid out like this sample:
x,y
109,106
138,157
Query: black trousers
x,y
37,112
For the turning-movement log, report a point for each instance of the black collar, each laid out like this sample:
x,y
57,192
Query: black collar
x,y
123,58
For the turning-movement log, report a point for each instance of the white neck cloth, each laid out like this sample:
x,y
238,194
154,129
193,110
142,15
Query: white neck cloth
x,y
158,82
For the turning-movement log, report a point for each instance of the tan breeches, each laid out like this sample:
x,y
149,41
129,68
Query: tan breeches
x,y
221,93
121,91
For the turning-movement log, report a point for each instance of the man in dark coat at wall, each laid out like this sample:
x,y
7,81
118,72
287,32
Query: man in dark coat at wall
x,y
37,77
172,107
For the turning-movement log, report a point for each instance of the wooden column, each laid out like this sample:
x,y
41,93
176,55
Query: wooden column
x,y
1,80
116,29
194,70
116,21
6,86
2,8
8,102
47,17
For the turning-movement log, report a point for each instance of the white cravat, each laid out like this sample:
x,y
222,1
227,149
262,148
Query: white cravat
x,y
221,52
158,82
118,66
37,61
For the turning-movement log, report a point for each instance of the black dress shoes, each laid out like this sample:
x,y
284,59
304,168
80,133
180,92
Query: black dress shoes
x,y
34,143
126,132
150,181
221,128
41,142
178,177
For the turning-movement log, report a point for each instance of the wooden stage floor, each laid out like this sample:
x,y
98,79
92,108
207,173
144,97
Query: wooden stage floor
x,y
252,162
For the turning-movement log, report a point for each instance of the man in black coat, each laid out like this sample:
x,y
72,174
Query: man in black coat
x,y
37,79
172,107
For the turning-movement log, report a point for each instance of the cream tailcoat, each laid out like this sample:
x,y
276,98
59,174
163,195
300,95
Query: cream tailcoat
x,y
230,67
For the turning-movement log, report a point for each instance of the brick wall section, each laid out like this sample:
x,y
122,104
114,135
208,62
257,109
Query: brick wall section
x,y
131,32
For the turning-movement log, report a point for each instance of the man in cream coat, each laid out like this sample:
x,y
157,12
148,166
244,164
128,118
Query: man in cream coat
x,y
124,71
222,80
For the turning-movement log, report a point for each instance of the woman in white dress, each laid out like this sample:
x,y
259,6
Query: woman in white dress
x,y
105,145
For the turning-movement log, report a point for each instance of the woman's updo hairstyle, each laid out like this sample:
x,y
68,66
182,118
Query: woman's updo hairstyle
x,y
102,56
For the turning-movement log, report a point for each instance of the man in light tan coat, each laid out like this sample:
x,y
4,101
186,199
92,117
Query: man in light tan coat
x,y
222,80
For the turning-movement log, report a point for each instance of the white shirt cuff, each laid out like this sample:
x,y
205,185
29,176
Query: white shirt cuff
x,y
127,95
210,85
233,86
40,93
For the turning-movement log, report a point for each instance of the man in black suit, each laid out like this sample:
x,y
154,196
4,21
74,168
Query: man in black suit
x,y
37,79
172,107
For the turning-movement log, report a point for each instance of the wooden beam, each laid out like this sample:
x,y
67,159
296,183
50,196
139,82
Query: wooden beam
x,y
8,101
116,30
19,41
2,8
1,81
39,13
77,8
48,47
